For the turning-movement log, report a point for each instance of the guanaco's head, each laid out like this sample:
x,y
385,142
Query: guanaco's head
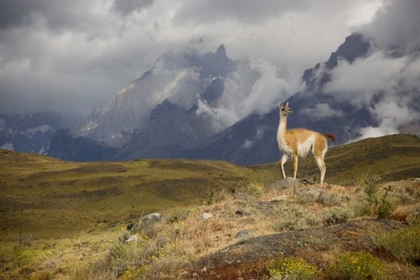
x,y
285,110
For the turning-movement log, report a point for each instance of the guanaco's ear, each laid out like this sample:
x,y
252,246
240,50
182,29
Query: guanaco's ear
x,y
280,105
287,104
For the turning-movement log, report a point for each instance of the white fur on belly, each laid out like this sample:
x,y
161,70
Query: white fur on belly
x,y
305,147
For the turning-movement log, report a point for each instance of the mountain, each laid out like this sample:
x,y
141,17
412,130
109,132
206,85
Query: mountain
x,y
30,133
187,97
252,140
196,104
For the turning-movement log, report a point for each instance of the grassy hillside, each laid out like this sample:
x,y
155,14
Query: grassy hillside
x,y
76,213
48,197
393,157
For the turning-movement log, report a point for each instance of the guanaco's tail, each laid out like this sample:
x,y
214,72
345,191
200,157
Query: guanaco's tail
x,y
330,136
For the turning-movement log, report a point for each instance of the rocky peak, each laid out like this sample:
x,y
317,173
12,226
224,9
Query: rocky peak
x,y
162,108
221,52
353,47
217,64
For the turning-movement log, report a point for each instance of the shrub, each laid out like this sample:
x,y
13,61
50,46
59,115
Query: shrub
x,y
328,199
294,217
408,213
255,189
337,215
356,265
414,215
32,257
403,244
292,268
373,204
178,215
133,273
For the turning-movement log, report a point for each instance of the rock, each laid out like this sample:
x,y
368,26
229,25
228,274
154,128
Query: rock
x,y
207,216
244,197
284,184
244,234
241,213
153,217
316,193
279,198
133,239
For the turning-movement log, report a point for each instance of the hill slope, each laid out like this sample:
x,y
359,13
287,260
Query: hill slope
x,y
74,215
50,197
393,157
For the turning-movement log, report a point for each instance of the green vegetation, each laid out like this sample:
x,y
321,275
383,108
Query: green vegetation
x,y
293,268
403,244
46,197
337,215
373,202
356,265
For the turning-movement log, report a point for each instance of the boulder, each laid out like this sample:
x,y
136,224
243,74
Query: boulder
x,y
288,182
207,216
153,217
244,234
132,239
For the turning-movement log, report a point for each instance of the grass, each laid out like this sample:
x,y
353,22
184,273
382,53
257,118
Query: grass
x,y
403,244
46,197
394,157
65,220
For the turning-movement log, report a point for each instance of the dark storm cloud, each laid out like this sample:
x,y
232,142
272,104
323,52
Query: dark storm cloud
x,y
127,6
77,54
17,12
58,16
242,10
396,26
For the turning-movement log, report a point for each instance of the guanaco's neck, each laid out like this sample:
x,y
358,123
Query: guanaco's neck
x,y
281,132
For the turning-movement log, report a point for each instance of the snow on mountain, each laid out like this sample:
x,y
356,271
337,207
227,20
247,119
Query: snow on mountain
x,y
28,133
187,97
8,146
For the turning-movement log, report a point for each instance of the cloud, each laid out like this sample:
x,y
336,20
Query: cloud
x,y
247,144
321,111
269,90
396,26
387,86
125,7
249,11
221,117
76,55
386,82
358,82
391,116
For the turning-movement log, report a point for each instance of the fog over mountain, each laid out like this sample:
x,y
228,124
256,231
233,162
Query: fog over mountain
x,y
75,55
387,80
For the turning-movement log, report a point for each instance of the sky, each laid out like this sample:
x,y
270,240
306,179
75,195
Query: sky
x,y
74,55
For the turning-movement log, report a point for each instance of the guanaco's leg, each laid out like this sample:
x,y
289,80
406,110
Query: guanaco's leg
x,y
294,165
282,162
321,165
